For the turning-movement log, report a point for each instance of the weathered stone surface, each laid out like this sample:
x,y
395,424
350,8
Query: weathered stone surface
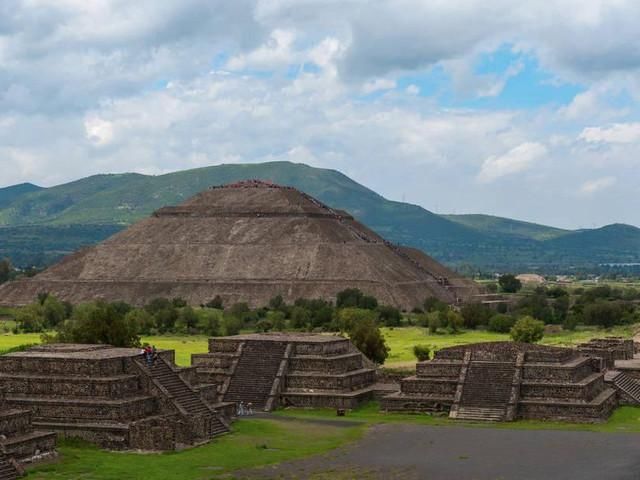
x,y
504,380
109,396
306,370
245,242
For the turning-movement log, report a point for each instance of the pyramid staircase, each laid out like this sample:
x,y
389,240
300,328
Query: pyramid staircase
x,y
183,396
486,391
255,373
8,470
628,385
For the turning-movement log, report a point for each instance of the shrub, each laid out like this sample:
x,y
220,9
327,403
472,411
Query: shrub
x,y
422,352
527,330
603,313
348,318
209,322
30,318
433,322
231,324
354,298
509,283
366,336
474,314
99,322
215,303
501,323
389,316
140,317
453,321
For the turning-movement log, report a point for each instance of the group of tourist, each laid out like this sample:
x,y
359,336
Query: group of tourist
x,y
245,409
150,355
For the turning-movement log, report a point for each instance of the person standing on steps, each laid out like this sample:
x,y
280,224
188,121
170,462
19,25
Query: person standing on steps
x,y
154,355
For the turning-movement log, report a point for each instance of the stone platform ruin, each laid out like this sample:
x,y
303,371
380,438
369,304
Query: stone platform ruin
x,y
110,397
500,381
277,369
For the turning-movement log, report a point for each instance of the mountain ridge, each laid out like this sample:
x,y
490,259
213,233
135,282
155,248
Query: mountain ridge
x,y
483,241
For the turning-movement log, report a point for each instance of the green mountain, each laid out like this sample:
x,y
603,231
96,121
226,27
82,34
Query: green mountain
x,y
491,224
38,225
9,195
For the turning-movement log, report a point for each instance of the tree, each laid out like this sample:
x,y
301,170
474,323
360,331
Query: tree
x,y
209,322
300,317
143,320
6,270
277,303
30,318
53,312
509,283
187,319
389,316
422,352
492,287
354,298
501,323
348,318
366,336
99,322
474,314
603,313
527,330
231,325
215,303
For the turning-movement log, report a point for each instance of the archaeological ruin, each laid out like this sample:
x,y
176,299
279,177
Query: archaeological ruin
x,y
499,381
278,369
109,396
246,242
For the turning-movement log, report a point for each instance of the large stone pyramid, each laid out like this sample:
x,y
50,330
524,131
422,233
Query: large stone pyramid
x,y
247,241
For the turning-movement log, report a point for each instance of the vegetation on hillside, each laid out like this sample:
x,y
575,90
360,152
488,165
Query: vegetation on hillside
x,y
40,225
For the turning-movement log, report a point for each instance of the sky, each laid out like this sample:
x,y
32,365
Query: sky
x,y
528,110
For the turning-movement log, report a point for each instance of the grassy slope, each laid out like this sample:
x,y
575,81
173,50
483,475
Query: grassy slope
x,y
254,442
491,224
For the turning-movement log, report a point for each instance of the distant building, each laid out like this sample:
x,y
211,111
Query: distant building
x,y
531,278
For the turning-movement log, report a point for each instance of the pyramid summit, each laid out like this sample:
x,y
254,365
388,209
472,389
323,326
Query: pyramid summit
x,y
247,242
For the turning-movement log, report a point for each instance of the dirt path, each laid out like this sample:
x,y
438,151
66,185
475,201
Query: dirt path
x,y
415,452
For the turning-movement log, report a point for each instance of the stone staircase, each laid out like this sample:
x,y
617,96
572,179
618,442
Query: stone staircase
x,y
183,396
628,385
486,391
255,373
8,470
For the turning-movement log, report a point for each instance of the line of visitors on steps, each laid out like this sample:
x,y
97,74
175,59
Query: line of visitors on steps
x,y
150,354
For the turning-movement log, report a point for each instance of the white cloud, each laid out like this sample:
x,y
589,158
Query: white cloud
x,y
276,52
516,160
98,131
413,90
592,186
616,133
377,85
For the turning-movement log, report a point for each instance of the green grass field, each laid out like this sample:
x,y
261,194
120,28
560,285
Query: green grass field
x,y
623,419
400,341
254,442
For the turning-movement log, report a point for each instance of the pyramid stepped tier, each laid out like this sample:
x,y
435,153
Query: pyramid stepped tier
x,y
19,439
245,242
109,396
8,470
506,380
302,370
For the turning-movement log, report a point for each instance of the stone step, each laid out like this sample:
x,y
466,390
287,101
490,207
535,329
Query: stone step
x,y
7,470
481,414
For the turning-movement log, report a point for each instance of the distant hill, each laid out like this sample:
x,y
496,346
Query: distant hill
x,y
9,195
37,225
491,224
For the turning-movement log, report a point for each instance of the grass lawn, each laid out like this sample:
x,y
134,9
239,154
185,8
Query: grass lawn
x,y
400,341
254,442
623,420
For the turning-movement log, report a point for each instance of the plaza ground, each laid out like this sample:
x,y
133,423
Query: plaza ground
x,y
315,444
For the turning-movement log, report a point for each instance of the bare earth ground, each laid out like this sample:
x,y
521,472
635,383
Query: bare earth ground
x,y
412,452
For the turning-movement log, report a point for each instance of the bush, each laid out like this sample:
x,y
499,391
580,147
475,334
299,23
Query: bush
x,y
501,323
348,318
354,298
453,321
434,322
603,313
422,352
215,303
366,336
474,314
389,316
30,318
231,325
527,330
509,283
99,322
209,322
